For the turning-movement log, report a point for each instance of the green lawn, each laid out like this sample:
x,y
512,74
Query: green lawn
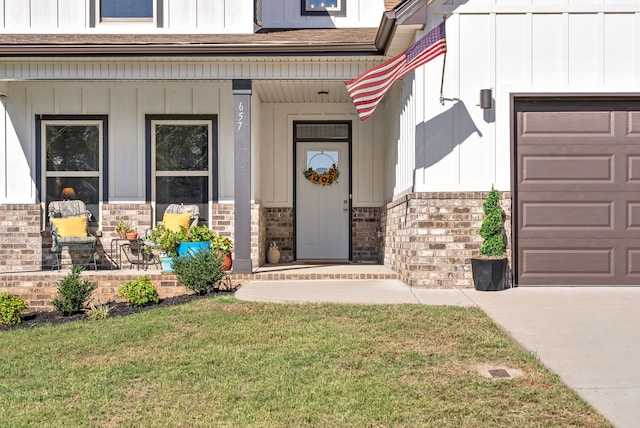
x,y
221,362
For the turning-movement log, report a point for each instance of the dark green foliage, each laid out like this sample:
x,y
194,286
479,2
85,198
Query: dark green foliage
x,y
73,292
139,292
12,308
199,271
491,229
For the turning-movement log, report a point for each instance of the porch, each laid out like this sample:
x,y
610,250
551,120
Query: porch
x,y
40,287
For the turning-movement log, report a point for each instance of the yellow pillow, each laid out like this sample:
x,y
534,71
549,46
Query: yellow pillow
x,y
71,226
174,221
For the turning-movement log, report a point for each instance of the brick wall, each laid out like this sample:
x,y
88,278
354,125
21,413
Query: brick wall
x,y
279,229
23,246
366,235
39,289
223,223
429,238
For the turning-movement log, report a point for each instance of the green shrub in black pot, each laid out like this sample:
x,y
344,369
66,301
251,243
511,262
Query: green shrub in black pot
x,y
490,267
200,271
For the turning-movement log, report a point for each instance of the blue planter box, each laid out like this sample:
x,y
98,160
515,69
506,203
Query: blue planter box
x,y
185,248
166,263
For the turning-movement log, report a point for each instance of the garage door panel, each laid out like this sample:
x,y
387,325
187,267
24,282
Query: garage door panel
x,y
599,215
633,263
567,260
582,168
567,215
599,123
576,262
578,195
634,123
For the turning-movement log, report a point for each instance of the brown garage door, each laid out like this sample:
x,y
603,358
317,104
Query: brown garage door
x,y
578,192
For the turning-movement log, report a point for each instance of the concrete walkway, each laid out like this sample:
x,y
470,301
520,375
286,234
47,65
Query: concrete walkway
x,y
589,337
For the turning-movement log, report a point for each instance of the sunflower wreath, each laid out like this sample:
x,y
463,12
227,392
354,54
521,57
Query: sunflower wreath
x,y
325,178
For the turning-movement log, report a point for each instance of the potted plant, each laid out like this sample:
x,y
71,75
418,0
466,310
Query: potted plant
x,y
122,228
489,268
195,238
224,246
165,241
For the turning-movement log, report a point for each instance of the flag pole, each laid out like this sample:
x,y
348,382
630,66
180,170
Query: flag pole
x,y
444,62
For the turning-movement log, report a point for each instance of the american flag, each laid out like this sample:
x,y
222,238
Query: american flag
x,y
368,90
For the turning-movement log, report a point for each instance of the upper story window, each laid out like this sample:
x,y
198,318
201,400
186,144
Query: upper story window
x,y
128,11
324,7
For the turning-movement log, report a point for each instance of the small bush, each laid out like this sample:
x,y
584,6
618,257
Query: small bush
x,y
73,292
12,308
199,271
139,292
99,312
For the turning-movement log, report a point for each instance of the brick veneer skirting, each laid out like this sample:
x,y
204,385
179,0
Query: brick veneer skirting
x,y
429,238
22,245
25,245
279,229
366,235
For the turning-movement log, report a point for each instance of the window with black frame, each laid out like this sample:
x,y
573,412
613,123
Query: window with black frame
x,y
72,162
324,7
126,10
182,164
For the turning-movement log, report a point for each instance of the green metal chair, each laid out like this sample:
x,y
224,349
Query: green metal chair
x,y
69,221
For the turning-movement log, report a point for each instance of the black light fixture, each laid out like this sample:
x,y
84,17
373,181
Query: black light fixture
x,y
486,99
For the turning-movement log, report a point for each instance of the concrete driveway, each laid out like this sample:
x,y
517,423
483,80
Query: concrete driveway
x,y
588,336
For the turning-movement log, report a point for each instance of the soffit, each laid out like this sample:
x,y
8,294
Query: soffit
x,y
301,91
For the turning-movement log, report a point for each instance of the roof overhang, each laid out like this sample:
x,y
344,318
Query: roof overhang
x,y
397,27
333,41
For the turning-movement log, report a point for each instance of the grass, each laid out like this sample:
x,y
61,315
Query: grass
x,y
221,362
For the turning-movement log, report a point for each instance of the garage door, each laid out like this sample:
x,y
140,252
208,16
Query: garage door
x,y
577,196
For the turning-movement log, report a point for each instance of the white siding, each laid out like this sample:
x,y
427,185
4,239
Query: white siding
x,y
73,16
514,47
125,104
288,14
276,152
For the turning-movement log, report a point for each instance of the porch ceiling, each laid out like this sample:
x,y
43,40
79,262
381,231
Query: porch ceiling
x,y
301,91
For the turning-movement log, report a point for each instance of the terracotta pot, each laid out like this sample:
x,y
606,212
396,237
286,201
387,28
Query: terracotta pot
x,y
227,261
132,235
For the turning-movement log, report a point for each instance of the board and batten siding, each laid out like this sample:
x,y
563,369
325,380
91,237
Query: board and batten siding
x,y
126,105
514,47
276,152
73,16
287,14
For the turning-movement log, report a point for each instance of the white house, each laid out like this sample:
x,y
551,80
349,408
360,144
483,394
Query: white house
x,y
226,103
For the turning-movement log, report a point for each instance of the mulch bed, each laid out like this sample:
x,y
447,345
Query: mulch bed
x,y
36,319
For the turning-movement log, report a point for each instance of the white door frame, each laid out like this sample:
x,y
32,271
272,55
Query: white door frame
x,y
346,176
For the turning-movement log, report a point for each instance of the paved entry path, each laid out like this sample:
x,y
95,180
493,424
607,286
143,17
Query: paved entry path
x,y
588,336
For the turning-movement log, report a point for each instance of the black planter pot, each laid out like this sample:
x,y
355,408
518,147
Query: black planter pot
x,y
489,274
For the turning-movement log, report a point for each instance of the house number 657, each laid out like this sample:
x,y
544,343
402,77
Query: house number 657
x,y
240,115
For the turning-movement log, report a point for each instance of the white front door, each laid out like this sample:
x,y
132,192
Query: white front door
x,y
322,201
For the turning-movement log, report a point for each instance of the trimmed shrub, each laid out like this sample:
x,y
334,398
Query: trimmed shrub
x,y
73,292
12,308
491,229
139,292
199,271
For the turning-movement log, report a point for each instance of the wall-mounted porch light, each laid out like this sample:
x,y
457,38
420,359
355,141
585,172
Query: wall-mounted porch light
x,y
486,99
